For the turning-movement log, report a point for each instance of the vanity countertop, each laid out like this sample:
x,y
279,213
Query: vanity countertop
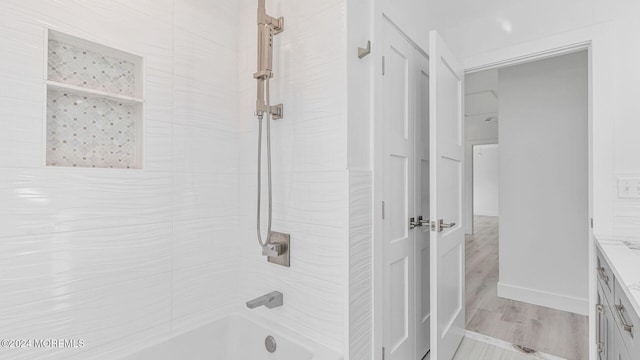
x,y
623,254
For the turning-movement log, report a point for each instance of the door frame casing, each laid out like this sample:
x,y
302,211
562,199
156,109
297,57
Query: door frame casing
x,y
468,180
596,40
593,40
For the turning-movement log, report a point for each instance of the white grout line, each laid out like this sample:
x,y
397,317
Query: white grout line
x,y
508,346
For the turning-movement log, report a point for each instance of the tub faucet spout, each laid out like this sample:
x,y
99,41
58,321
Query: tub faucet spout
x,y
270,300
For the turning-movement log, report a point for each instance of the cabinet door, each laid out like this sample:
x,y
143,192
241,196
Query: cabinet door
x,y
606,279
604,321
620,351
610,332
627,320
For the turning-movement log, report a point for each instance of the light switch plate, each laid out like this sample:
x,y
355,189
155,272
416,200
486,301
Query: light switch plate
x,y
629,188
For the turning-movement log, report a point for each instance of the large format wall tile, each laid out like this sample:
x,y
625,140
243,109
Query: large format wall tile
x,y
360,265
137,255
86,284
109,255
309,167
204,150
204,195
47,200
312,307
199,242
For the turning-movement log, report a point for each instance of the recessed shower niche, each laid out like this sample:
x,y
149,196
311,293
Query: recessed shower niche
x,y
94,104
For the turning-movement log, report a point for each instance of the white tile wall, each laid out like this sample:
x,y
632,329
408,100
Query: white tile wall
x,y
121,257
360,265
309,167
140,254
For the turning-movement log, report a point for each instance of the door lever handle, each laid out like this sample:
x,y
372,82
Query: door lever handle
x,y
414,224
423,222
442,225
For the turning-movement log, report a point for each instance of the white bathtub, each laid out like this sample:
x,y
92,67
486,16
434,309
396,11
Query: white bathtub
x,y
236,337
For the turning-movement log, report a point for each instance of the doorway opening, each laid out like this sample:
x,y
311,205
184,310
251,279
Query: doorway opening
x,y
527,204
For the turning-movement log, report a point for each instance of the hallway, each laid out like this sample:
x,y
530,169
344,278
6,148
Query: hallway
x,y
543,329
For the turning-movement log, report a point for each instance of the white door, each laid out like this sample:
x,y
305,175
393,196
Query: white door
x,y
398,194
421,252
446,179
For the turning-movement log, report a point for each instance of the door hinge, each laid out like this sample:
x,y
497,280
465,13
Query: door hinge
x,y
592,223
383,210
383,353
383,65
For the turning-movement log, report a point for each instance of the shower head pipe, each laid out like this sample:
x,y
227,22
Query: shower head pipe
x,y
277,24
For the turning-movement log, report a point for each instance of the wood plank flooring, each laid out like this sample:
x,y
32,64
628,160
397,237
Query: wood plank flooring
x,y
543,329
472,349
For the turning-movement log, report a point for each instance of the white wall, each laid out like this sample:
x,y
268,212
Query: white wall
x,y
359,334
310,180
140,255
499,24
481,102
486,182
121,258
414,17
544,216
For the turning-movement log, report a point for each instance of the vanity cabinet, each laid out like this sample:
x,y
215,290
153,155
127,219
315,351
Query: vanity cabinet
x,y
617,333
620,350
606,278
605,328
627,322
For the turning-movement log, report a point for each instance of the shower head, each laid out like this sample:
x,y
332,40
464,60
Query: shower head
x,y
267,27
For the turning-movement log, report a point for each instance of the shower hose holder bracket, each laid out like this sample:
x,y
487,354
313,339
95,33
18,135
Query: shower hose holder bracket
x,y
276,111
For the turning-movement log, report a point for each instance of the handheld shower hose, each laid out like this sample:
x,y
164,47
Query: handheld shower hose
x,y
269,187
267,28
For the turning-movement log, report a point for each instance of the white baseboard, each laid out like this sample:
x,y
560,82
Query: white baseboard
x,y
543,298
486,213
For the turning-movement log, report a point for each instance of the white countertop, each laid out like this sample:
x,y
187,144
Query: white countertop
x,y
623,254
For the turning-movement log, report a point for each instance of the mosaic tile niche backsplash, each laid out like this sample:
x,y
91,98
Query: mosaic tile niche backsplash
x,y
74,65
89,131
96,127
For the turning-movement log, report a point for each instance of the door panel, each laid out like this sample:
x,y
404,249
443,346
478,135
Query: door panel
x,y
450,274
398,192
398,67
450,170
449,87
399,288
422,207
447,242
398,211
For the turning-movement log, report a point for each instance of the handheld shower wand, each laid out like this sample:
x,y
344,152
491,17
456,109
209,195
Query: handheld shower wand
x,y
267,28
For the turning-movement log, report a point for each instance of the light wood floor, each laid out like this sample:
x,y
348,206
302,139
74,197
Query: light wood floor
x,y
472,349
547,330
